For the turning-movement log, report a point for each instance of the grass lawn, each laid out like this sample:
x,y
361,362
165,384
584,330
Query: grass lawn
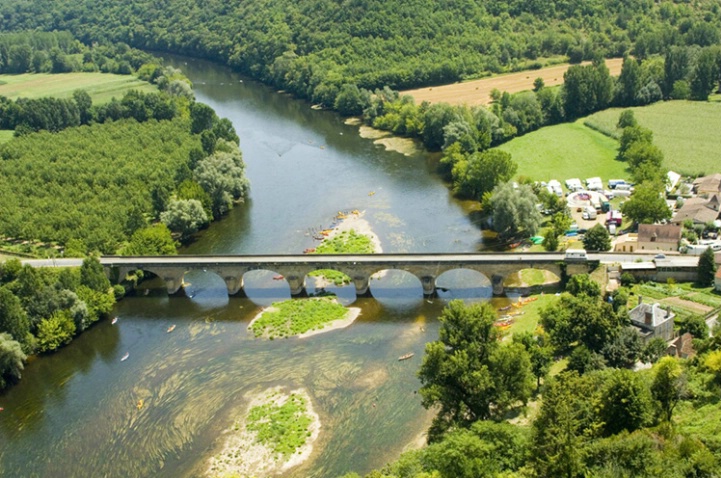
x,y
529,320
102,87
564,151
6,135
686,131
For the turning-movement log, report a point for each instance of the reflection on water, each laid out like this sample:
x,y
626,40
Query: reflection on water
x,y
76,413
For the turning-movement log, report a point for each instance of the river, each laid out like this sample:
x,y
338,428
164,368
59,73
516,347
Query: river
x,y
79,413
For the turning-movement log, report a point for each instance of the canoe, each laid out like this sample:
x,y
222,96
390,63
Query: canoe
x,y
115,319
171,328
406,356
125,357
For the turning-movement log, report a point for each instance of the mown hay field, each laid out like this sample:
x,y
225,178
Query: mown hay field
x,y
102,87
478,92
686,131
569,150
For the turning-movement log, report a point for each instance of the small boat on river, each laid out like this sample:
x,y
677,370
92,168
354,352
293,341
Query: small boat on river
x,y
405,357
114,321
278,277
125,357
503,309
171,328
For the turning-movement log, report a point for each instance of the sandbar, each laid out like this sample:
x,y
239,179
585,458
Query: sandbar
x,y
357,223
242,455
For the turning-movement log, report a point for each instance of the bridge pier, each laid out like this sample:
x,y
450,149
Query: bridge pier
x,y
174,281
429,285
296,283
362,284
497,284
233,283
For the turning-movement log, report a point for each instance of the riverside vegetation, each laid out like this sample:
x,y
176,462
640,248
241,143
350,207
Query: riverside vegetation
x,y
79,178
593,416
297,316
43,309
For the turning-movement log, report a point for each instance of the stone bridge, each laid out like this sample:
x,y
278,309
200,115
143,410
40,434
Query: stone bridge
x,y
360,268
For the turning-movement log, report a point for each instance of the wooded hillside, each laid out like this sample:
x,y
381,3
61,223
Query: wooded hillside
x,y
313,47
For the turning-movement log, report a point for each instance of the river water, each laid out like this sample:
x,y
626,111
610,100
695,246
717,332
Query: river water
x,y
78,412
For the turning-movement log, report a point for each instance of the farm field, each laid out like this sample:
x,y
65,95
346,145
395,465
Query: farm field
x,y
102,87
478,92
569,150
686,131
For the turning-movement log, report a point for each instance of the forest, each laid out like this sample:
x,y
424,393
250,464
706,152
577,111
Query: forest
x,y
61,52
313,48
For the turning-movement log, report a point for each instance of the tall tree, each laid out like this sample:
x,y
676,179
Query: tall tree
x,y
466,373
626,403
706,268
514,211
563,426
482,172
668,386
597,239
647,205
12,358
13,318
93,275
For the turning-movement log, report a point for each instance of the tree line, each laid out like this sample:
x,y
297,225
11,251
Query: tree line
x,y
597,417
315,48
61,52
42,309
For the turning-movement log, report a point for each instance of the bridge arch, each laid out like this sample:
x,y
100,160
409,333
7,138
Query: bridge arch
x,y
395,284
464,282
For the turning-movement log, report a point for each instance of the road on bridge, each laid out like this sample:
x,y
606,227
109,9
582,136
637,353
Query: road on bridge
x,y
605,258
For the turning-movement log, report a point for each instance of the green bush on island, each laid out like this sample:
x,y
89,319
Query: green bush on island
x,y
295,317
281,427
347,242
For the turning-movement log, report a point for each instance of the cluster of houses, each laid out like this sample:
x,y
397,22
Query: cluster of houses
x,y
702,208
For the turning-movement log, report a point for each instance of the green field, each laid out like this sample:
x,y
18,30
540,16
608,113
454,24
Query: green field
x,y
565,151
102,87
686,131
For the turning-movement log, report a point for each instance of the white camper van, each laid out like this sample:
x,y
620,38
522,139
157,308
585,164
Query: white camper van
x,y
576,255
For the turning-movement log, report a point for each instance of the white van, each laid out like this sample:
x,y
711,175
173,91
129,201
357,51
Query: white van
x,y
576,255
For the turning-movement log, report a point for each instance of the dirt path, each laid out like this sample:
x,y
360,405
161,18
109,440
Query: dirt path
x,y
478,92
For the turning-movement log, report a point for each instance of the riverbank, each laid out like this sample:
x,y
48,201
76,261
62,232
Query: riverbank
x,y
248,450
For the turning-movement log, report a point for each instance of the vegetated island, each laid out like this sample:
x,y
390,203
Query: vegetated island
x,y
302,318
353,235
276,434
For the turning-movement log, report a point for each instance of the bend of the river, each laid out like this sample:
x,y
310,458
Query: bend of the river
x,y
161,413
